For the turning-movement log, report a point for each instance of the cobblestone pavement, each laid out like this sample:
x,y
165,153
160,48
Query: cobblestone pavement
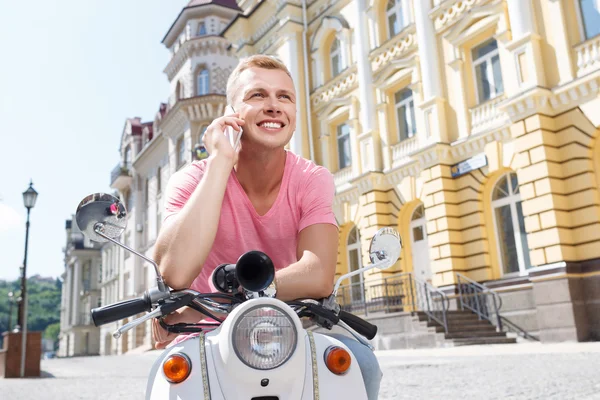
x,y
521,371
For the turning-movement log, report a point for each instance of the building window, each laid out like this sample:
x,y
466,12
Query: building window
x,y
202,82
158,179
127,160
488,74
201,29
343,143
180,151
395,17
336,58
510,225
590,13
354,263
405,114
179,91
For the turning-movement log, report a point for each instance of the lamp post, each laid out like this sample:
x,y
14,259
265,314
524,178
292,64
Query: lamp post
x,y
10,306
29,198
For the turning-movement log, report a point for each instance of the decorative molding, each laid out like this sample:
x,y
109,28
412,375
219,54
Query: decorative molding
x,y
451,11
203,45
552,102
395,48
338,86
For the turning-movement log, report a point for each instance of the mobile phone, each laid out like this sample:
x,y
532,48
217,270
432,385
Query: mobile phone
x,y
234,137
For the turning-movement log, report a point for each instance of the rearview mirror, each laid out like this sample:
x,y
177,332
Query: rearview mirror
x,y
386,244
101,210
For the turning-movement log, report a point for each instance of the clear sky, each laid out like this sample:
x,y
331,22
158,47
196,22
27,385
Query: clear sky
x,y
71,72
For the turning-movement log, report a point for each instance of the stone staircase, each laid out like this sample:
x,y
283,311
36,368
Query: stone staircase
x,y
464,328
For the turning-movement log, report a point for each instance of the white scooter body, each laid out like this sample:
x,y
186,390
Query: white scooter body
x,y
228,378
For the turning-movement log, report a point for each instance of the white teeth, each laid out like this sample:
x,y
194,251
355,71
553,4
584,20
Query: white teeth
x,y
272,125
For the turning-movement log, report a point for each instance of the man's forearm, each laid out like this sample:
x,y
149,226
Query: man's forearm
x,y
304,279
186,242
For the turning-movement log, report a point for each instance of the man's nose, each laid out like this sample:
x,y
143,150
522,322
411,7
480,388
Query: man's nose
x,y
272,105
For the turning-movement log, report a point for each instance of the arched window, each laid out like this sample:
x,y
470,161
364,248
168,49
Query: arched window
x,y
395,17
336,58
354,262
510,225
202,82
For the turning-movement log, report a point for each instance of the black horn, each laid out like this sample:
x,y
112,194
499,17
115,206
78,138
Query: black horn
x,y
254,271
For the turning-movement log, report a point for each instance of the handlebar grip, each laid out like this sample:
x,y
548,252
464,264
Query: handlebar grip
x,y
120,310
361,326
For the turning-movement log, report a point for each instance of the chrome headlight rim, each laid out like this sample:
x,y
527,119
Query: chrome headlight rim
x,y
292,324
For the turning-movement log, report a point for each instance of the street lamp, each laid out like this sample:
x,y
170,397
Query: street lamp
x,y
29,198
10,306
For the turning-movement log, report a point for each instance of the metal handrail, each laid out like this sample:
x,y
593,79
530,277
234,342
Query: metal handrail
x,y
477,300
398,292
429,311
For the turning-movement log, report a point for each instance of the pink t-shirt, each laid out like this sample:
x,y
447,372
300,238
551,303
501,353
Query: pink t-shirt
x,y
305,198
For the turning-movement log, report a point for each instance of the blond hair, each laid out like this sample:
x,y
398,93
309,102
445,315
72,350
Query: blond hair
x,y
257,61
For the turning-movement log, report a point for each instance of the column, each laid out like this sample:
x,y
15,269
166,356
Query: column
x,y
75,295
386,150
367,101
561,41
353,123
290,53
433,103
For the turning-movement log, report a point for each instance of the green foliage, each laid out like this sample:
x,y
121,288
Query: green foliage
x,y
43,306
52,331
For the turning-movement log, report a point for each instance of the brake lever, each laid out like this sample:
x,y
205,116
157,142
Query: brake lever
x,y
153,314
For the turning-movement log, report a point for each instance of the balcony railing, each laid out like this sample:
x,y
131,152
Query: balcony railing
x,y
342,177
118,171
84,318
588,56
401,150
488,116
335,88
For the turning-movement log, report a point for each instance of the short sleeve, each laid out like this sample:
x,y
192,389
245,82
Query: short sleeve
x,y
180,187
317,196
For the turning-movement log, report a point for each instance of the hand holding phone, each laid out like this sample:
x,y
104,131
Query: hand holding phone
x,y
233,136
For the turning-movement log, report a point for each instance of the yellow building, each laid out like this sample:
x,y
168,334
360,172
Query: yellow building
x,y
471,126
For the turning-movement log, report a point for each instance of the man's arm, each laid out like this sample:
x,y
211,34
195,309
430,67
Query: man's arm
x,y
186,238
313,274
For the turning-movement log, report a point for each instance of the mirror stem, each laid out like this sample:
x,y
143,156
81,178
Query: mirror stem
x,y
99,229
378,264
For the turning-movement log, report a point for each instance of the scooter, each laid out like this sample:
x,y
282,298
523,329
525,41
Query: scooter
x,y
260,351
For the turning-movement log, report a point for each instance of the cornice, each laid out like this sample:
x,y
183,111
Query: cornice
x,y
540,100
207,45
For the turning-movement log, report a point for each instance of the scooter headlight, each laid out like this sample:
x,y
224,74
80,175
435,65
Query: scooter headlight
x,y
264,337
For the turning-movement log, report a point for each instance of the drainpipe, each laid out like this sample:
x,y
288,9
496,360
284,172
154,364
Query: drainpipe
x,y
306,85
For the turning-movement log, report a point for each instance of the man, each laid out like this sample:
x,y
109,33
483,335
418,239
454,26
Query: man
x,y
259,197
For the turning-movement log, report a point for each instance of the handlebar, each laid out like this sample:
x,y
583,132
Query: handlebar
x,y
121,310
361,326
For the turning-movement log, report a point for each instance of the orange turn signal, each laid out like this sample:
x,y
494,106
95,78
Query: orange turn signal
x,y
337,359
177,368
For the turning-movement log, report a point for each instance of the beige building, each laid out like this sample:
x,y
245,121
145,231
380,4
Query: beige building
x,y
470,126
80,292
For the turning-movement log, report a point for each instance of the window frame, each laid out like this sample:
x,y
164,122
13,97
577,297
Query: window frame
x,y
581,21
404,103
201,31
351,247
398,11
489,71
333,53
203,81
511,199
180,151
345,136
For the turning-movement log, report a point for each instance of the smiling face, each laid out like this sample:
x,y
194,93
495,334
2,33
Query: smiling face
x,y
266,100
